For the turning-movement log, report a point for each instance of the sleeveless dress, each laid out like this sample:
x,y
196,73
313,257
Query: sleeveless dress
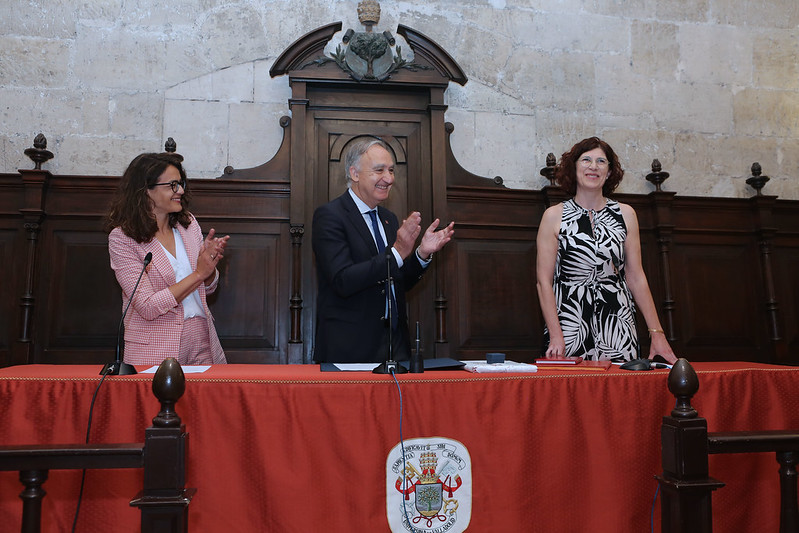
x,y
595,307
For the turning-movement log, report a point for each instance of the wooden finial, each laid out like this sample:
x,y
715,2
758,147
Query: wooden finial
x,y
657,176
683,384
169,384
756,181
549,171
39,153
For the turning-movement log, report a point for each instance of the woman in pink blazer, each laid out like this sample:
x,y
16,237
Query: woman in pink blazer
x,y
169,315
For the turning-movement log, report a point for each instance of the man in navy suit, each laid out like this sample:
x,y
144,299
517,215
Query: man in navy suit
x,y
352,308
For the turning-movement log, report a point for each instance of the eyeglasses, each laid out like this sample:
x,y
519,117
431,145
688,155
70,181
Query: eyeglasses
x,y
586,161
173,184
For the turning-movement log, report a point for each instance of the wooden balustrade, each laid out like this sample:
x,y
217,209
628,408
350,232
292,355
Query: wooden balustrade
x,y
163,501
686,486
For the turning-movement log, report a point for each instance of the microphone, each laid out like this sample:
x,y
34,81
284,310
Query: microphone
x,y
417,363
389,366
118,368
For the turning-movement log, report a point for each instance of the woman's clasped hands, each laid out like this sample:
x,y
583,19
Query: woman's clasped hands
x,y
211,252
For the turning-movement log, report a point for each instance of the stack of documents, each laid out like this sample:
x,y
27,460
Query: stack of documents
x,y
508,366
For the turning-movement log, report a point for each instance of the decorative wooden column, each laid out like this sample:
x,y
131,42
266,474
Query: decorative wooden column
x,y
685,485
439,139
664,230
33,212
302,195
762,210
297,232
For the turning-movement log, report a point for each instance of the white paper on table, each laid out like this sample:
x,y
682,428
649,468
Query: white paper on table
x,y
482,367
356,367
188,369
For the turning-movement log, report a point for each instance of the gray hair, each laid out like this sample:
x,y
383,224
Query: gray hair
x,y
356,151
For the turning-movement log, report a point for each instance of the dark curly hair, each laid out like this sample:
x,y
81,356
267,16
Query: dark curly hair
x,y
566,171
132,209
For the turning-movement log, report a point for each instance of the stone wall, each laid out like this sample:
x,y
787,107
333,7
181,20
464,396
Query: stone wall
x,y
708,87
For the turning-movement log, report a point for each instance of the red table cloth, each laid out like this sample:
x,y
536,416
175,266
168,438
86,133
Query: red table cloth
x,y
292,449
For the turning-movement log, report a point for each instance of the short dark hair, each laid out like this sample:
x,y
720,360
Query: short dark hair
x,y
132,209
566,171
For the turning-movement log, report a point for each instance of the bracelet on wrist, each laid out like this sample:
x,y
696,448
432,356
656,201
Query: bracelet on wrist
x,y
655,330
426,260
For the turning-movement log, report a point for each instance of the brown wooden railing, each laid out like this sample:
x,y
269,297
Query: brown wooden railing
x,y
163,501
685,484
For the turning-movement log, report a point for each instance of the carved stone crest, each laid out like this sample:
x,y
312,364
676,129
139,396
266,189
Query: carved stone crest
x,y
366,55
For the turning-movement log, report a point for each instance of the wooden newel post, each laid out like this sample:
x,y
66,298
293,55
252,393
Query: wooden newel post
x,y
32,498
685,485
789,513
164,500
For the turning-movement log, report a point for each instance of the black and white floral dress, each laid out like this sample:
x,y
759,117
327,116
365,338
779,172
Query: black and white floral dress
x,y
595,307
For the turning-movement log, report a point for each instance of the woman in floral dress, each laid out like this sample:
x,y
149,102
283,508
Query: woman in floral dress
x,y
589,272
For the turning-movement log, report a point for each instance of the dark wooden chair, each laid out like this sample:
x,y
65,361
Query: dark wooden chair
x,y
163,500
686,487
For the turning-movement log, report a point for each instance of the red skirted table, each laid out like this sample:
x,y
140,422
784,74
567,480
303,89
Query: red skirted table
x,y
292,449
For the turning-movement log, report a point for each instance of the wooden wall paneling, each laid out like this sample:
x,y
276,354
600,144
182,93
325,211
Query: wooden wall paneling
x,y
251,305
79,303
11,251
786,266
720,299
496,307
785,262
9,299
717,280
491,273
786,275
77,299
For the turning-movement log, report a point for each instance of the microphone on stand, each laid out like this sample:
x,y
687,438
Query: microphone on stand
x,y
118,368
417,363
389,366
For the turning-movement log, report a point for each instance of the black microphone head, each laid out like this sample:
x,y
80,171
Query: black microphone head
x,y
148,258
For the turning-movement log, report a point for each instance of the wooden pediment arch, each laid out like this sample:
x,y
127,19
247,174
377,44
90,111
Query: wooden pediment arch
x,y
303,53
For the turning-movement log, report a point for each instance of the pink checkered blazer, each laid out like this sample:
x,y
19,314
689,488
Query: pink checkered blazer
x,y
155,319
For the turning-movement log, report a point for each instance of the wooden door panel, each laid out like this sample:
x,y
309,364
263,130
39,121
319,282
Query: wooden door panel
x,y
712,278
80,302
497,304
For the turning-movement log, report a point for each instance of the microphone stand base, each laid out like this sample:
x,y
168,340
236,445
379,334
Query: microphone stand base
x,y
389,367
118,369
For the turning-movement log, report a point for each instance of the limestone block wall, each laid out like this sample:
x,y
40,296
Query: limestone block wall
x,y
708,87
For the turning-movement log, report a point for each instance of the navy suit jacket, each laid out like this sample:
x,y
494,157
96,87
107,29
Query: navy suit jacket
x,y
351,302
